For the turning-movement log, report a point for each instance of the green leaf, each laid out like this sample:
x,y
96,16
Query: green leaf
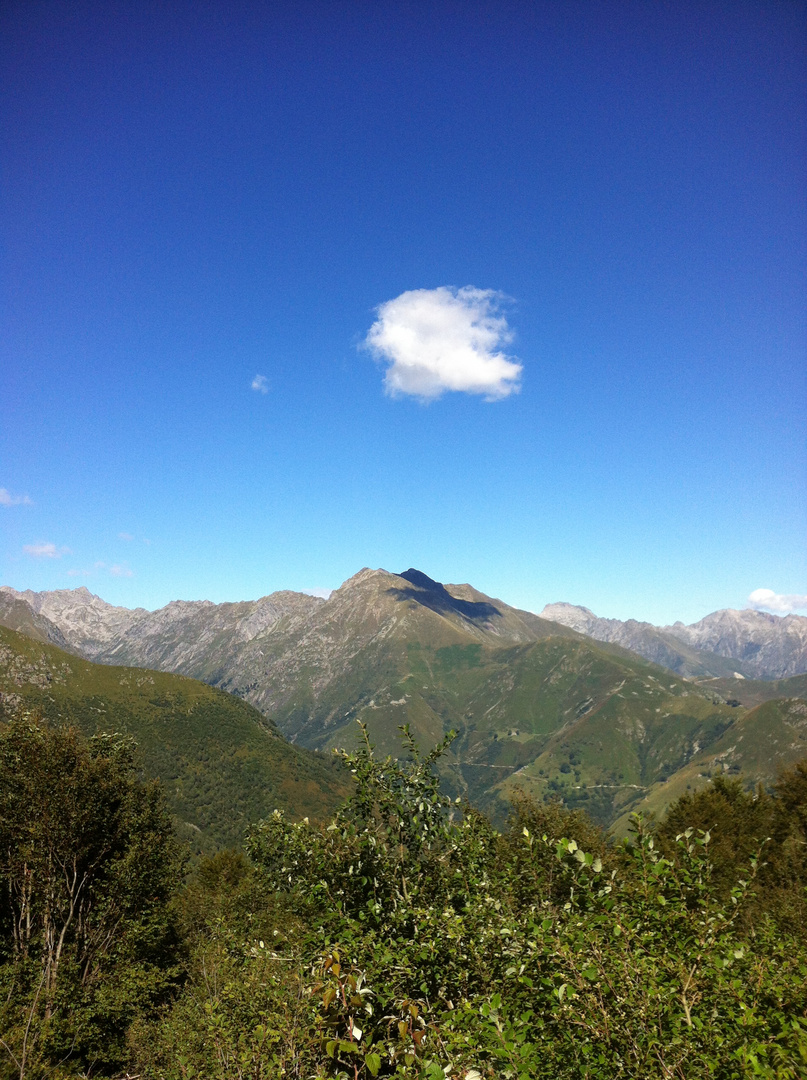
x,y
373,1063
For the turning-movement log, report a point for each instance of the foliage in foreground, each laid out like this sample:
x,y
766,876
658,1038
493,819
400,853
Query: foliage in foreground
x,y
409,939
88,861
406,938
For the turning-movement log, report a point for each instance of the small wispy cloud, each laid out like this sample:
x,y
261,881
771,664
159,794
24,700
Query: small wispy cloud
x,y
119,570
125,536
7,499
323,594
261,384
435,340
45,550
768,600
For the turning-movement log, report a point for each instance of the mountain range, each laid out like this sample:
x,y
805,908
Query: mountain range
x,y
750,643
212,640
537,703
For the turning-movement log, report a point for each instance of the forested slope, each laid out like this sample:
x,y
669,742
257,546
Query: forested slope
x,y
222,763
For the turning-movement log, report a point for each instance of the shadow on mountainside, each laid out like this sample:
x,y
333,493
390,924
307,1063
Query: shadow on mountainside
x,y
433,595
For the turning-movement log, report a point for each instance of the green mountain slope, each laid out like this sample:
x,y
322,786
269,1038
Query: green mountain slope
x,y
536,704
563,716
223,765
758,744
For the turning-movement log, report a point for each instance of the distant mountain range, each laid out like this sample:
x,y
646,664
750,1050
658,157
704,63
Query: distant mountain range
x,y
537,703
204,638
750,643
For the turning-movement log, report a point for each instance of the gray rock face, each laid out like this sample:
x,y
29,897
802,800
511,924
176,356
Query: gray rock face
x,y
203,639
16,614
751,643
768,646
287,646
87,623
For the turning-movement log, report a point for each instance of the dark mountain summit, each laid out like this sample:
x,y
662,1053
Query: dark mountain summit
x,y
433,595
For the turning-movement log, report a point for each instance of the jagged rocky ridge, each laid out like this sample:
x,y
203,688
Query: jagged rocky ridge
x,y
219,642
750,643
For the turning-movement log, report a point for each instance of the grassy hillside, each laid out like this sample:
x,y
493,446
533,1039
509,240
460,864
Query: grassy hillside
x,y
222,763
561,717
758,744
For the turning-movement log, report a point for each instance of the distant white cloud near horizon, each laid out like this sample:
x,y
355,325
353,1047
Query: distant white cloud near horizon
x,y
7,499
442,339
45,550
261,384
771,601
119,570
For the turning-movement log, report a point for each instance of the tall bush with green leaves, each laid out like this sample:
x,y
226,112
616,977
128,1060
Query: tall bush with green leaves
x,y
88,861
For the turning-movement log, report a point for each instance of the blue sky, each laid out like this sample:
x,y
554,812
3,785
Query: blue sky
x,y
605,202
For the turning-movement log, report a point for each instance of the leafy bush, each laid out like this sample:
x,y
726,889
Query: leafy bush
x,y
408,938
741,823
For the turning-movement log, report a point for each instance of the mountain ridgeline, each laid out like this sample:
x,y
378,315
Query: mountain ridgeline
x,y
752,644
537,704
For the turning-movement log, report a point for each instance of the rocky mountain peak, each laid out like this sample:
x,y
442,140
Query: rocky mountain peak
x,y
364,575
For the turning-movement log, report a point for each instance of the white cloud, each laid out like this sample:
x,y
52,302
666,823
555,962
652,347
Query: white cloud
x,y
125,536
7,499
323,594
45,550
444,339
116,570
261,384
768,599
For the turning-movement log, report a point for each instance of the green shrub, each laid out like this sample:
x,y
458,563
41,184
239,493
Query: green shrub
x,y
409,938
88,862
